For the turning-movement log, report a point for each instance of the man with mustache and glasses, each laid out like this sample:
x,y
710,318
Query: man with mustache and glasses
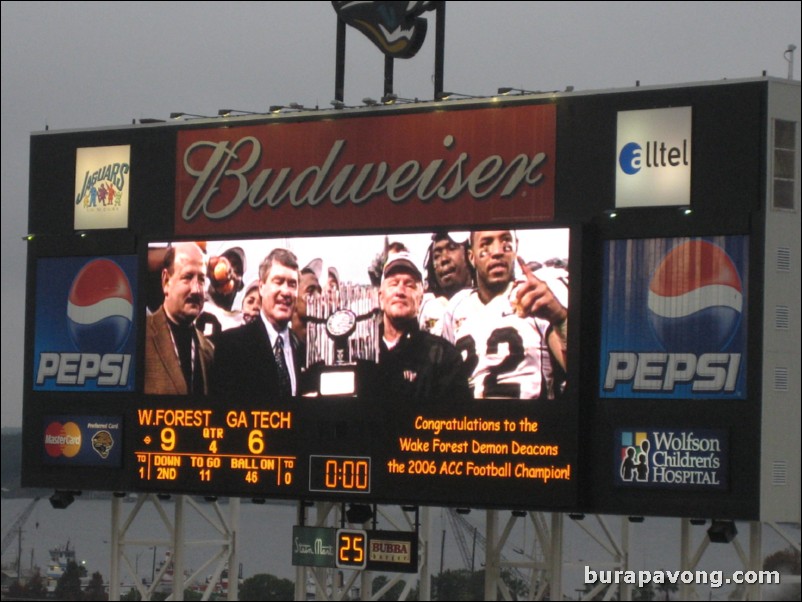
x,y
512,335
177,356
262,359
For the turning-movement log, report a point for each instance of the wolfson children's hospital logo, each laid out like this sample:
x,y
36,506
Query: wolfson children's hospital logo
x,y
669,458
101,187
674,315
84,321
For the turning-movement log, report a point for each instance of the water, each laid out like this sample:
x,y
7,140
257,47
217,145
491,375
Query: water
x,y
266,535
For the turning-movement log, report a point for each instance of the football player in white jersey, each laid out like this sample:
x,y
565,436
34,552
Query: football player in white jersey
x,y
512,334
448,271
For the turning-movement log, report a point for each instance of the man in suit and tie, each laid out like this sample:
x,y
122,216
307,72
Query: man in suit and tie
x,y
177,356
262,360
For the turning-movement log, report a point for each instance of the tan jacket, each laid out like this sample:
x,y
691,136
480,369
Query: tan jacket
x,y
163,375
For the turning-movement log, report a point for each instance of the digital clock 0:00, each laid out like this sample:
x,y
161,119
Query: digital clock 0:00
x,y
346,474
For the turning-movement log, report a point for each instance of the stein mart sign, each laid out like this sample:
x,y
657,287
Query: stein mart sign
x,y
451,167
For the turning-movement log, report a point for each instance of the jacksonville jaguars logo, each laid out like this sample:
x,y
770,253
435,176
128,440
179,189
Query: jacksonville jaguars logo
x,y
396,28
695,299
102,442
100,308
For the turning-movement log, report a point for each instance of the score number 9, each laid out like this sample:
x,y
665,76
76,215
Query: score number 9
x,y
168,439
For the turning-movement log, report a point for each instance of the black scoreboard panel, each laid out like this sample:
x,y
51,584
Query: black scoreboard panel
x,y
498,453
361,450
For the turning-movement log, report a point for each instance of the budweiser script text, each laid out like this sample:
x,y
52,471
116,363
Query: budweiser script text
x,y
226,177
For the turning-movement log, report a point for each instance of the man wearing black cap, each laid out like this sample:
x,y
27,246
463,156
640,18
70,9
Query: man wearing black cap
x,y
414,365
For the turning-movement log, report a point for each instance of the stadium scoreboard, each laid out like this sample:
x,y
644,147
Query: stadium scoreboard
x,y
659,406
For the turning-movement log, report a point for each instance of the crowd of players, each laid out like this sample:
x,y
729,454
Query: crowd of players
x,y
461,325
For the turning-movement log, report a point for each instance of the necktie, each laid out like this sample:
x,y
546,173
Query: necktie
x,y
284,383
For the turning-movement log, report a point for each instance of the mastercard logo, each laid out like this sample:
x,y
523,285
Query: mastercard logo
x,y
62,439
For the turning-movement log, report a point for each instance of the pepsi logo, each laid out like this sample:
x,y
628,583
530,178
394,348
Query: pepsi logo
x,y
100,308
695,299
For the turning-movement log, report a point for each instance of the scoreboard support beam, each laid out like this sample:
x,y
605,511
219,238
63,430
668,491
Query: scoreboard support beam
x,y
124,542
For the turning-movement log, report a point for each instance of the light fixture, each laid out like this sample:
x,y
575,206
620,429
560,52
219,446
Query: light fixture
x,y
227,112
293,106
722,531
391,99
163,496
409,508
686,210
698,522
519,91
358,513
788,56
635,519
450,95
148,120
370,102
119,494
62,499
258,500
179,115
463,510
519,513
28,237
210,498
576,515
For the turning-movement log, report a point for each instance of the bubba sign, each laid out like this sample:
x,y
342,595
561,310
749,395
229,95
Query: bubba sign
x,y
478,165
674,318
84,319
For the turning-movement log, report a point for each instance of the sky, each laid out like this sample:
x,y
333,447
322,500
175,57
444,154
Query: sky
x,y
77,65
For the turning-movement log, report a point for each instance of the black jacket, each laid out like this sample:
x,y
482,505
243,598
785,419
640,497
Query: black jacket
x,y
244,364
422,367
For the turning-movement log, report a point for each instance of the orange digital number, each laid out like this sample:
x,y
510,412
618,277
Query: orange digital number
x,y
352,548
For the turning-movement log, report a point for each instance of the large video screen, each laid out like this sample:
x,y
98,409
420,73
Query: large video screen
x,y
406,367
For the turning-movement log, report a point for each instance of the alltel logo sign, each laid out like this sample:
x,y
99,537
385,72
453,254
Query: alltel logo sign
x,y
653,157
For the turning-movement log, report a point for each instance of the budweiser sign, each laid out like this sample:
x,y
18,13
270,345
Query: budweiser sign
x,y
400,170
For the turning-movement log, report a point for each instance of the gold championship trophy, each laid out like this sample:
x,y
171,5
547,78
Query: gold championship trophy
x,y
342,338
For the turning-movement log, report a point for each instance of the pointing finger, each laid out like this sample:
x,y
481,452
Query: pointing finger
x,y
528,273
